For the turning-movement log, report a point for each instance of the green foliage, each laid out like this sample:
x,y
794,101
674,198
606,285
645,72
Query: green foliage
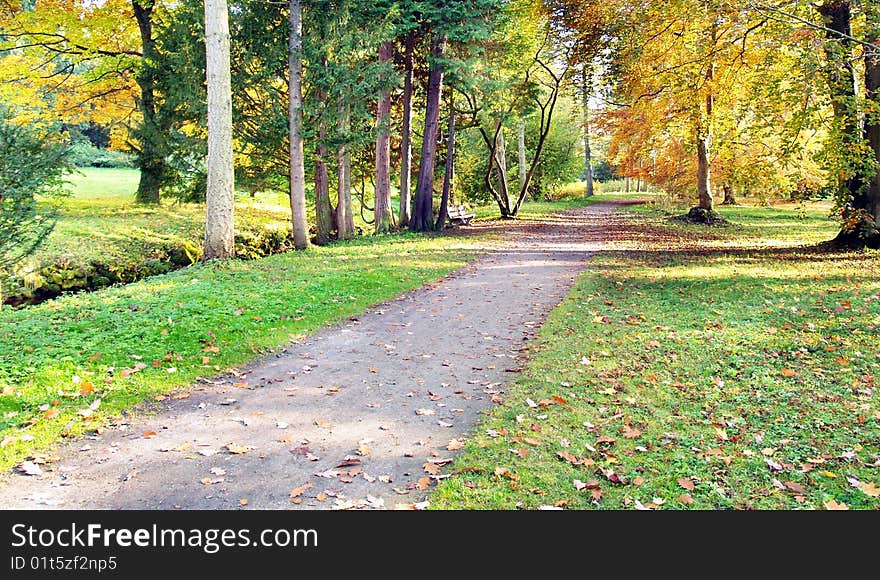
x,y
84,154
31,168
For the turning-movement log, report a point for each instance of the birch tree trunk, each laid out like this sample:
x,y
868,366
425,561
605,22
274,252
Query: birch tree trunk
x,y
219,218
297,168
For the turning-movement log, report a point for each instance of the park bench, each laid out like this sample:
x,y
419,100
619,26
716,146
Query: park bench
x,y
459,215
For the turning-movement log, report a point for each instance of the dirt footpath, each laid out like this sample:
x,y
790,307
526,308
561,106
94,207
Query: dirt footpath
x,y
364,414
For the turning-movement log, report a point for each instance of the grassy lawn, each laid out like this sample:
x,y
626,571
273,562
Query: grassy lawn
x,y
695,369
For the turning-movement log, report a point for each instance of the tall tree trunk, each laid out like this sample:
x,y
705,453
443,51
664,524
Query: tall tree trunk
x,y
150,156
297,169
626,182
521,152
344,220
219,206
423,211
323,207
837,15
383,214
704,177
588,152
501,159
406,137
872,123
729,195
450,170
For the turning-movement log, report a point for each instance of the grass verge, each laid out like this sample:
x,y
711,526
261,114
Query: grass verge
x,y
694,369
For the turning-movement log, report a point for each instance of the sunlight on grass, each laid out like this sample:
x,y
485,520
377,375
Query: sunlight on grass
x,y
694,378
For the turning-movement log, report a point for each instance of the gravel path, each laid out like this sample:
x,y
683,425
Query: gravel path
x,y
364,414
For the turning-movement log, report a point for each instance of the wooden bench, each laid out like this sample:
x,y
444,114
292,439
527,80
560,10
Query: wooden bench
x,y
459,215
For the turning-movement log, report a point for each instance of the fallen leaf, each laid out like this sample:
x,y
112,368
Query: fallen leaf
x,y
870,489
832,505
630,433
285,439
212,480
149,434
240,385
686,499
238,449
86,388
323,424
638,480
423,483
597,494
788,373
243,501
605,439
29,468
568,457
296,492
579,485
795,487
321,496
454,445
432,468
51,413
424,411
364,450
686,482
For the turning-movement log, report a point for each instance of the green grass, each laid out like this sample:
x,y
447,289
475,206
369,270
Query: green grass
x,y
694,369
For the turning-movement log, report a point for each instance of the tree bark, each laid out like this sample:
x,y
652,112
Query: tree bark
x,y
450,171
323,207
344,220
729,195
150,156
297,168
383,214
501,159
219,218
423,211
860,226
406,136
521,152
872,123
588,152
704,176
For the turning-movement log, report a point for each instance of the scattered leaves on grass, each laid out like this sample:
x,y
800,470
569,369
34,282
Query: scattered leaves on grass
x,y
454,445
686,499
832,505
686,483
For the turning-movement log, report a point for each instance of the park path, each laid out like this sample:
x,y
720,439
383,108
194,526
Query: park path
x,y
354,416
